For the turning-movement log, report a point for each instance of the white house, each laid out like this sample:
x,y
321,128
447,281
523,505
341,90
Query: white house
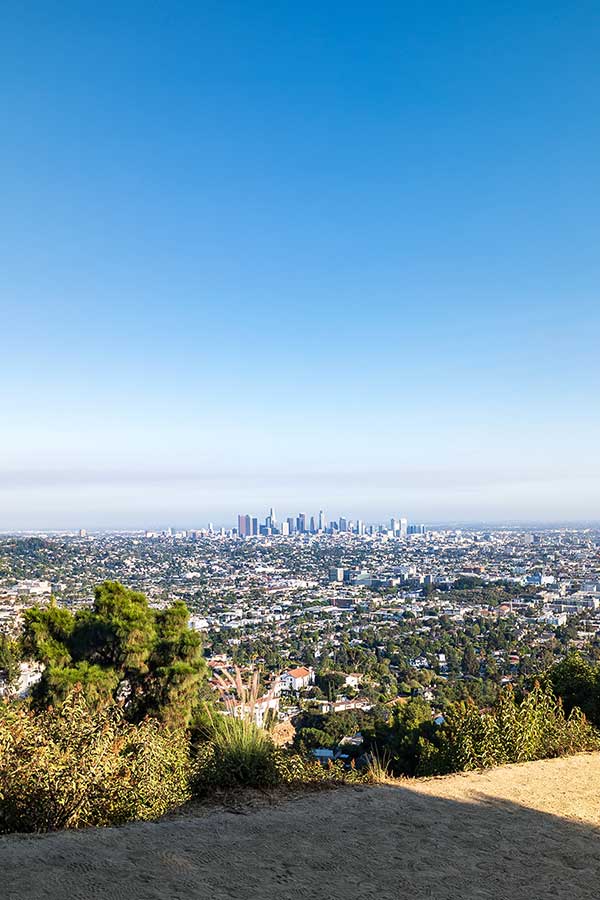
x,y
297,679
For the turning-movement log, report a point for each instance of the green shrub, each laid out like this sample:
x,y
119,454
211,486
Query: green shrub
x,y
76,766
235,753
577,683
536,728
296,770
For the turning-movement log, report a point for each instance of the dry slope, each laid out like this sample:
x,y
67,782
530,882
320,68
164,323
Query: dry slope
x,y
529,832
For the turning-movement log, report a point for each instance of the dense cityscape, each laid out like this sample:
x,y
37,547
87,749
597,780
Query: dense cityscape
x,y
366,614
317,524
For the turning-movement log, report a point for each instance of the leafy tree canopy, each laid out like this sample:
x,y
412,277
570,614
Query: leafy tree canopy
x,y
121,649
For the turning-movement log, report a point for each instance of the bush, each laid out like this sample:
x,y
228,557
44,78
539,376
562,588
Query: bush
x,y
536,728
75,766
237,752
296,770
577,683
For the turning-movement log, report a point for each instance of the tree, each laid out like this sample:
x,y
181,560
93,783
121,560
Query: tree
x,y
470,661
9,661
121,649
403,736
330,683
577,683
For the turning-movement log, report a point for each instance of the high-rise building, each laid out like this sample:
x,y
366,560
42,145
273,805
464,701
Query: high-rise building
x,y
322,521
285,528
301,523
343,524
403,527
244,526
312,527
416,529
254,525
291,525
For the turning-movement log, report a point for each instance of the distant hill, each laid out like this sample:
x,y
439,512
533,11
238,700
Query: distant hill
x,y
522,831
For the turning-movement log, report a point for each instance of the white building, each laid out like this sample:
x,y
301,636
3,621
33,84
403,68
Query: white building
x,y
297,679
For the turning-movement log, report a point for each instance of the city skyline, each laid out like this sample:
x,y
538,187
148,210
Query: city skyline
x,y
324,254
318,523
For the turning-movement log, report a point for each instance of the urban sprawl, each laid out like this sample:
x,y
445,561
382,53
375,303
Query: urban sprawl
x,y
340,616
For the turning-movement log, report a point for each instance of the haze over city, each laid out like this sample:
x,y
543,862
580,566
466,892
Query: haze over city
x,y
316,256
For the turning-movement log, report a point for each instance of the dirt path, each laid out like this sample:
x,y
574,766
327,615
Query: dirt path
x,y
527,832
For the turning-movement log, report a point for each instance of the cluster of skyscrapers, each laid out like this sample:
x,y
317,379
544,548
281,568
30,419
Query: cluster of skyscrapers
x,y
249,526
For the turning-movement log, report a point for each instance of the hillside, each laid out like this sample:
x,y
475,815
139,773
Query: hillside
x,y
523,831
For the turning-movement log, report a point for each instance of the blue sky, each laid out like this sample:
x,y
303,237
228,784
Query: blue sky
x,y
319,254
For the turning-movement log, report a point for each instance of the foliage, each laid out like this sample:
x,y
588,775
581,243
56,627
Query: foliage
x,y
297,770
577,683
334,725
236,752
119,649
77,765
378,770
233,750
330,683
399,740
9,661
536,728
312,738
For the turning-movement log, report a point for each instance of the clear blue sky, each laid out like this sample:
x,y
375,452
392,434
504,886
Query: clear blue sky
x,y
309,254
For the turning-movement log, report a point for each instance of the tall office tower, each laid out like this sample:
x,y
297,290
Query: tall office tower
x,y
291,525
272,517
403,527
322,522
360,528
416,529
343,524
285,528
301,522
312,527
394,525
244,526
254,525
211,528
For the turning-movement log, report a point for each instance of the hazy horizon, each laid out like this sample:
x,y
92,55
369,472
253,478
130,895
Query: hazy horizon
x,y
320,256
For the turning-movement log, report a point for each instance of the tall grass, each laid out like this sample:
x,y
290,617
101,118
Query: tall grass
x,y
239,752
378,768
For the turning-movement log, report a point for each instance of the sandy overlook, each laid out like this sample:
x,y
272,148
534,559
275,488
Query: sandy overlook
x,y
527,831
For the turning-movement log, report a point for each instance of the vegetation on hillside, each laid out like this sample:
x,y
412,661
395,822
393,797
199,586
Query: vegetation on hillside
x,y
121,649
120,727
80,764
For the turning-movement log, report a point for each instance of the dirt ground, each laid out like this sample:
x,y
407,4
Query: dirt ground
x,y
527,832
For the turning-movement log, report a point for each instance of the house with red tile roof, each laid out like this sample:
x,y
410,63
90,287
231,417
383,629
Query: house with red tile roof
x,y
297,679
